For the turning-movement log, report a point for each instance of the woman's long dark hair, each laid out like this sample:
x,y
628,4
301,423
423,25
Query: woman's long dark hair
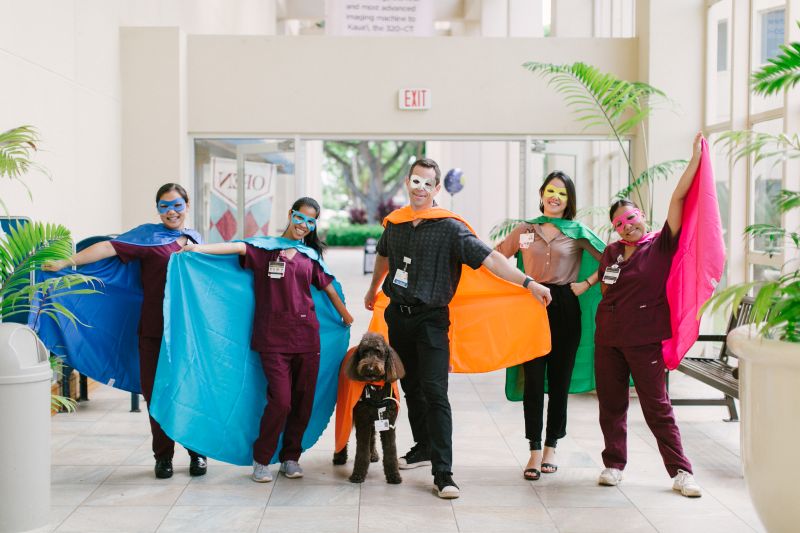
x,y
167,187
616,205
312,239
572,200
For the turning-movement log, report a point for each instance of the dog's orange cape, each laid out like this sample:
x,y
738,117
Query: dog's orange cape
x,y
494,324
346,398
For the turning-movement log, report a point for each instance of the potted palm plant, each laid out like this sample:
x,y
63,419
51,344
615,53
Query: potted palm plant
x,y
26,245
769,350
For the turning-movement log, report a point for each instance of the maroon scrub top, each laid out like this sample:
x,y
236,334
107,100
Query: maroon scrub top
x,y
284,319
153,261
634,310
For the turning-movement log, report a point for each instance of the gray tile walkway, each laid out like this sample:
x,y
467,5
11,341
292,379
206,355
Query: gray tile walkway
x,y
102,473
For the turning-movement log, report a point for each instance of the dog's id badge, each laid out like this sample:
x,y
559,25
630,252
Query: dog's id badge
x,y
276,269
611,275
526,239
381,424
400,278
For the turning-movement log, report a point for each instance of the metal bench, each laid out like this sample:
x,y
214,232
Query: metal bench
x,y
718,372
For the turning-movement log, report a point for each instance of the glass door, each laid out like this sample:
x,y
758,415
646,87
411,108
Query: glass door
x,y
245,186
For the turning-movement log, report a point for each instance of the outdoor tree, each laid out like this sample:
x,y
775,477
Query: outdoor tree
x,y
372,171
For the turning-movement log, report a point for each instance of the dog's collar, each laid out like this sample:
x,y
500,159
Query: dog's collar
x,y
377,393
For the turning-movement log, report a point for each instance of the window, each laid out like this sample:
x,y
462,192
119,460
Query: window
x,y
771,33
766,180
722,46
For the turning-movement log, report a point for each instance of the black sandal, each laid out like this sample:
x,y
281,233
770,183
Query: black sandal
x,y
531,474
554,468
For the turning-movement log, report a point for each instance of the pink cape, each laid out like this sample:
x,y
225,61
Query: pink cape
x,y
698,263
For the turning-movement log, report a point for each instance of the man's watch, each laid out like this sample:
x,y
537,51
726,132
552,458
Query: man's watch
x,y
527,282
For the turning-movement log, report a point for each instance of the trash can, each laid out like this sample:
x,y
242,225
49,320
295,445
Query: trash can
x,y
370,253
25,428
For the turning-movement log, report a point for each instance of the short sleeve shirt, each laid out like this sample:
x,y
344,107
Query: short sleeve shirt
x,y
556,261
437,248
634,310
285,320
153,262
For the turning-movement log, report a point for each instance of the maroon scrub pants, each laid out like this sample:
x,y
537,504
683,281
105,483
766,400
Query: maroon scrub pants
x,y
645,363
291,382
149,348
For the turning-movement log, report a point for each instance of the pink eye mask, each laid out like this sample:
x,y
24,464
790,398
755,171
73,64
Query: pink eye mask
x,y
632,216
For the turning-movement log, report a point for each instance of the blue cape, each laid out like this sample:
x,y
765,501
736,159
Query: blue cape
x,y
105,346
210,389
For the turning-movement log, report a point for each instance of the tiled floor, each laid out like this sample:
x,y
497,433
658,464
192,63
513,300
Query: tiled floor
x,y
103,473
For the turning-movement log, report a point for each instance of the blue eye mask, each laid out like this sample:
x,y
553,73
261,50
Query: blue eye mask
x,y
299,218
178,205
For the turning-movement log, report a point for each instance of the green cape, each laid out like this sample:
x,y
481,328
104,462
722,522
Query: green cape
x,y
583,374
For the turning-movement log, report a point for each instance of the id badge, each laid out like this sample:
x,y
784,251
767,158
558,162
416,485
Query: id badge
x,y
611,275
276,269
401,278
526,239
382,425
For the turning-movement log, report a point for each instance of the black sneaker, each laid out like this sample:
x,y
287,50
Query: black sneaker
x,y
163,468
417,456
445,486
198,465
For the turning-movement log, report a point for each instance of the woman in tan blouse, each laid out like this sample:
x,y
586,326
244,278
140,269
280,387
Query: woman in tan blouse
x,y
551,253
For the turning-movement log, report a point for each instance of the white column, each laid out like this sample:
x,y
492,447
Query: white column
x,y
154,136
572,18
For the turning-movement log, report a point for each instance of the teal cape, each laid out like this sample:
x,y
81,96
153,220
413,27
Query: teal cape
x,y
210,390
583,373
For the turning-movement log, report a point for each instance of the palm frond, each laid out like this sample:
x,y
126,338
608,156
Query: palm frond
x,y
782,72
661,171
17,147
25,247
501,230
744,144
599,98
788,200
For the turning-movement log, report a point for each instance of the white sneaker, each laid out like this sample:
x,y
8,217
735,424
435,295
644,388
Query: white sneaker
x,y
610,477
261,473
685,484
291,469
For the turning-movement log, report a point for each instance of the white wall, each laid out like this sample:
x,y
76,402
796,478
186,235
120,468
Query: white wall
x,y
61,73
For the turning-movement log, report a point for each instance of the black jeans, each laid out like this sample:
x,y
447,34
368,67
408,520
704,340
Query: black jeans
x,y
421,341
564,314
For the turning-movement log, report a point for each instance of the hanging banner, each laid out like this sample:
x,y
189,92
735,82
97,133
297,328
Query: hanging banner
x,y
259,181
371,18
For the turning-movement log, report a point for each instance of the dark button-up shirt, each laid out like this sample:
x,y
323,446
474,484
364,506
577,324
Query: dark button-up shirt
x,y
437,249
634,310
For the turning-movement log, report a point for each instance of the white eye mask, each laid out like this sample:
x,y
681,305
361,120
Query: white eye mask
x,y
426,184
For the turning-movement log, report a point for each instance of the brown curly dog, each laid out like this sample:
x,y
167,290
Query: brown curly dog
x,y
375,366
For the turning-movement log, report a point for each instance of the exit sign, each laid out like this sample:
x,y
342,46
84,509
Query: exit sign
x,y
414,99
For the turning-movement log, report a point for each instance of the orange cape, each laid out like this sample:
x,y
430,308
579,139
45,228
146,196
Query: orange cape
x,y
494,324
346,399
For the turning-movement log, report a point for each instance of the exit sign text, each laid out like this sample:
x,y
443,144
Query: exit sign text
x,y
414,99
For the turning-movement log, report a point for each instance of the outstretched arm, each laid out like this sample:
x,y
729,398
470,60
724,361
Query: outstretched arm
x,y
675,213
500,267
222,248
337,302
381,268
95,252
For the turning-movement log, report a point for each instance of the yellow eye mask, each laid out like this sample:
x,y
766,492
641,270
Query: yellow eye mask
x,y
555,192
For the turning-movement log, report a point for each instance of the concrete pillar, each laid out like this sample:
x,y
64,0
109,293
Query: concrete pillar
x,y
154,131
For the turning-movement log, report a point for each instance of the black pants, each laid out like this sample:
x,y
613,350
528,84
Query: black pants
x,y
421,341
564,314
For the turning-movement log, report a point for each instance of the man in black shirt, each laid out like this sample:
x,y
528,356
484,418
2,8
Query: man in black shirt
x,y
423,259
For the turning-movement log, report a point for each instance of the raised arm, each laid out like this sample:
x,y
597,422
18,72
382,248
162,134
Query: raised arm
x,y
675,213
500,267
380,271
95,252
337,302
222,248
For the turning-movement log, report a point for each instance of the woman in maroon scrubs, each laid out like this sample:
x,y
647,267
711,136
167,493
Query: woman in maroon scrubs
x,y
155,244
632,320
285,330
